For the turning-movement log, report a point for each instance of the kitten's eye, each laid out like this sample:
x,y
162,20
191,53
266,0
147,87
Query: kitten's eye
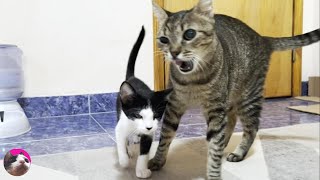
x,y
189,34
27,161
138,116
164,40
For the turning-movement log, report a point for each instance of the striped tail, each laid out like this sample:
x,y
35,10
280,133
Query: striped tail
x,y
287,43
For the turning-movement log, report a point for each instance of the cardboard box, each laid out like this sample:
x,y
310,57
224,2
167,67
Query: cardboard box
x,y
314,86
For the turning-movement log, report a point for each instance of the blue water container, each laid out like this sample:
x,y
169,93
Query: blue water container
x,y
11,73
13,120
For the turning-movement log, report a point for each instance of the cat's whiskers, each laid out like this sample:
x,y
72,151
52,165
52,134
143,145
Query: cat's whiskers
x,y
196,61
133,132
196,56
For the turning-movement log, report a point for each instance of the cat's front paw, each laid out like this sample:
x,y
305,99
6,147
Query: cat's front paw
x,y
233,157
143,173
155,165
124,161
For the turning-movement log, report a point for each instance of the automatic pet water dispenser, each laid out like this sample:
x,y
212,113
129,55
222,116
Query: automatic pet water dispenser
x,y
13,120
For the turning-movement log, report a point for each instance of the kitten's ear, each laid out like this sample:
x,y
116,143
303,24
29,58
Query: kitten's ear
x,y
160,13
204,7
127,93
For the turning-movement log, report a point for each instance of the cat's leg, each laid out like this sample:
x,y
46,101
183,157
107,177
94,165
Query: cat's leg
x,y
171,119
142,170
121,138
216,120
249,113
232,121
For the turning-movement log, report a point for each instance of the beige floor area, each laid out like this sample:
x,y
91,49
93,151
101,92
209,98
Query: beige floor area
x,y
38,172
313,109
309,98
282,153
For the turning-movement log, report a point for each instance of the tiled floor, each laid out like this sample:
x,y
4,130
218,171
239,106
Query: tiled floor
x,y
92,131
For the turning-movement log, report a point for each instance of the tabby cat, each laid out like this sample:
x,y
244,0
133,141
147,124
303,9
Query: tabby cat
x,y
139,110
220,64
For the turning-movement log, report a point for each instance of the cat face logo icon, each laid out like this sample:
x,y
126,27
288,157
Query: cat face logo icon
x,y
17,162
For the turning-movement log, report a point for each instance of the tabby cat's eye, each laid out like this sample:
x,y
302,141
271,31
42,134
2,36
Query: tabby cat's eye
x,y
164,40
189,34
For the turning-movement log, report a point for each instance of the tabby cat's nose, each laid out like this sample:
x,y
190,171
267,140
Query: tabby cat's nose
x,y
175,54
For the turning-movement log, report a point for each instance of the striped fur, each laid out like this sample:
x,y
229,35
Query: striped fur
x,y
230,61
281,44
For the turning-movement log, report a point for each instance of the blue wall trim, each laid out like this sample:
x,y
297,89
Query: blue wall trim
x,y
80,104
68,105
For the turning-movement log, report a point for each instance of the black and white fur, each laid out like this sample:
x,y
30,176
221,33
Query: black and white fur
x,y
16,165
139,110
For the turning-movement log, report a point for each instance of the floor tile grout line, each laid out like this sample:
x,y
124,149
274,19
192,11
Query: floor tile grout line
x,y
193,124
72,115
98,124
89,103
48,139
103,128
109,112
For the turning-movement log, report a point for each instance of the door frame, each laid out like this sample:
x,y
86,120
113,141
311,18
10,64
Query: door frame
x,y
297,54
159,63
160,67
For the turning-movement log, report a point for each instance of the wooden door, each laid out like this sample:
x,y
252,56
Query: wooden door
x,y
269,18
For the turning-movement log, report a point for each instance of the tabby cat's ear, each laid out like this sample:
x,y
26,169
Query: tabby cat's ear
x,y
160,13
127,93
204,7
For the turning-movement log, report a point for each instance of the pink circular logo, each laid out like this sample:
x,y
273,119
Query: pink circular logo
x,y
17,162
15,152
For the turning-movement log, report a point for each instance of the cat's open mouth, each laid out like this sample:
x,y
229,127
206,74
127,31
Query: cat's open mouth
x,y
184,66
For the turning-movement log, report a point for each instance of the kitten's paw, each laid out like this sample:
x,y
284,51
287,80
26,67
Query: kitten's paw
x,y
143,173
130,153
124,161
155,165
233,157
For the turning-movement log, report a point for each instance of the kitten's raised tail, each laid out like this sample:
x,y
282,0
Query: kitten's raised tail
x,y
286,43
134,54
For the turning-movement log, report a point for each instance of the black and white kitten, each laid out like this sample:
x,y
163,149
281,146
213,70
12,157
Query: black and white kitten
x,y
16,165
139,110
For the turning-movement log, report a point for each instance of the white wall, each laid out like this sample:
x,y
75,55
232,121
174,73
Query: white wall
x,y
82,46
310,54
77,46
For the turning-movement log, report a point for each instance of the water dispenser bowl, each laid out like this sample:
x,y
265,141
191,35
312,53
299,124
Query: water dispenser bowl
x,y
13,120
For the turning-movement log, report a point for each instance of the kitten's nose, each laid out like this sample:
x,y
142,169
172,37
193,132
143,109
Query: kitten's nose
x,y
175,54
149,128
22,162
